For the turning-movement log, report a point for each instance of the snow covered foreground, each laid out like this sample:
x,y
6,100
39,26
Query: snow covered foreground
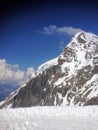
x,y
50,118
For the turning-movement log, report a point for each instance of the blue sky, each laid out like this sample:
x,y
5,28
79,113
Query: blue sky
x,y
36,31
21,40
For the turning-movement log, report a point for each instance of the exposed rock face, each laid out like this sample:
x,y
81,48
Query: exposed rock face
x,y
70,79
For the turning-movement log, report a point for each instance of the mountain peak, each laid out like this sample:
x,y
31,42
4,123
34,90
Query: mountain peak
x,y
69,79
83,37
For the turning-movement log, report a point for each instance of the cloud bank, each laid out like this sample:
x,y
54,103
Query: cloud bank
x,y
53,29
11,74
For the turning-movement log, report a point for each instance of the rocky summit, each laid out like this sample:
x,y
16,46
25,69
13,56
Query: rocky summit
x,y
70,79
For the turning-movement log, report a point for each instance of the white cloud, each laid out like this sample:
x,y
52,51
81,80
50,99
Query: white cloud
x,y
61,45
30,72
69,30
50,30
11,75
53,29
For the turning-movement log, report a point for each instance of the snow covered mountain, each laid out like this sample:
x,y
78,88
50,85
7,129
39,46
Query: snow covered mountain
x,y
70,79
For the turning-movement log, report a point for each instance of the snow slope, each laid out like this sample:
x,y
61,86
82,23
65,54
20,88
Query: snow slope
x,y
47,65
50,118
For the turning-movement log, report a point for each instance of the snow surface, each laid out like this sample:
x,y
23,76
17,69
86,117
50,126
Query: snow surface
x,y
47,65
50,118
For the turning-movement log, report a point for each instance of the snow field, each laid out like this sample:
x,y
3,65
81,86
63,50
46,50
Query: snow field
x,y
50,118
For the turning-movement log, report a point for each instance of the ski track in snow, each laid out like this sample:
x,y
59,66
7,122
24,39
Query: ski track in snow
x,y
50,118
